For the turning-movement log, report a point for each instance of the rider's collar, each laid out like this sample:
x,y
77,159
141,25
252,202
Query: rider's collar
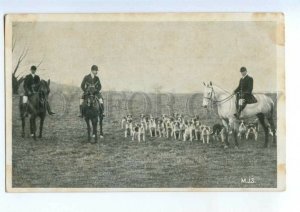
x,y
92,75
245,76
33,75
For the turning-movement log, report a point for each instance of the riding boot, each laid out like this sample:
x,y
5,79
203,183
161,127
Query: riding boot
x,y
237,115
48,108
25,108
81,111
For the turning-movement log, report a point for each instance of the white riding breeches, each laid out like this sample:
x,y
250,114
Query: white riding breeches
x,y
25,99
81,101
241,102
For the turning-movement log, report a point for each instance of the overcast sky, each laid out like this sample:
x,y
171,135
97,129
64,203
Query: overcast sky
x,y
139,56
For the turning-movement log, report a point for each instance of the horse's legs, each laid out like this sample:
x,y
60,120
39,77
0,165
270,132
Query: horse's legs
x,y
225,124
235,133
88,128
33,127
94,123
271,121
261,118
100,124
22,115
23,126
41,126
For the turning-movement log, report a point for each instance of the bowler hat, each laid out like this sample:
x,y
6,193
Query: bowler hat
x,y
33,68
243,69
94,68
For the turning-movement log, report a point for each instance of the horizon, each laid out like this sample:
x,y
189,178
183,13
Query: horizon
x,y
149,92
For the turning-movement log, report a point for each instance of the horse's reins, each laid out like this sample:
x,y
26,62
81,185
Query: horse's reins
x,y
214,101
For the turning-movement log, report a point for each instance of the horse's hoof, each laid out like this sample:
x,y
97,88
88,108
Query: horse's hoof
x,y
225,147
101,136
236,147
23,135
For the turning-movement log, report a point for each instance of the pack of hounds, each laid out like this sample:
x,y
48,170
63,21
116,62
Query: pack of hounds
x,y
178,127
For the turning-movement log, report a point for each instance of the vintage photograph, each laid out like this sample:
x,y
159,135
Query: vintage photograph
x,y
145,102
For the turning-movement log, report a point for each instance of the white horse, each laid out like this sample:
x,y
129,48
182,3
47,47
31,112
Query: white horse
x,y
226,104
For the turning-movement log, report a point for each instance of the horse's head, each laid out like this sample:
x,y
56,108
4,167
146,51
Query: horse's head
x,y
91,98
91,89
208,94
44,89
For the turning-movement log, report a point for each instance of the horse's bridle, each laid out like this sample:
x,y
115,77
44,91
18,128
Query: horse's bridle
x,y
213,99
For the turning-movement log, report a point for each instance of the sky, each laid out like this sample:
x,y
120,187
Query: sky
x,y
143,56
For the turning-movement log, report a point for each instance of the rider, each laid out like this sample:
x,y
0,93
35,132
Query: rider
x,y
31,84
244,92
93,79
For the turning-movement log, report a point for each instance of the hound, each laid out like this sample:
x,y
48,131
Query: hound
x,y
128,128
125,119
251,130
205,134
144,120
142,132
169,127
152,127
161,131
193,129
183,126
218,133
176,130
197,129
187,132
242,130
135,132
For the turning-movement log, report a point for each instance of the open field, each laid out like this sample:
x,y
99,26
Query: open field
x,y
63,158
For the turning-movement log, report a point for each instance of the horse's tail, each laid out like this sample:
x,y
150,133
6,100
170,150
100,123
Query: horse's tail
x,y
272,109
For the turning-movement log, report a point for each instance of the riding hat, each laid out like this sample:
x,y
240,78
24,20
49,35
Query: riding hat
x,y
94,68
33,68
243,69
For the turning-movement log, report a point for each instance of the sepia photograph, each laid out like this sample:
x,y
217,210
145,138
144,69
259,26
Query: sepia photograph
x,y
145,102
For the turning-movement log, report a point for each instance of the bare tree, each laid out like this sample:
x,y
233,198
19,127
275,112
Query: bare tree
x,y
17,80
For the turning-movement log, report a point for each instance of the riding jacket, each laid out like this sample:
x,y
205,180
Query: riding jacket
x,y
30,84
245,88
89,80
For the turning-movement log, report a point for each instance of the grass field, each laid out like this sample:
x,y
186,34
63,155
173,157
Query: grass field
x,y
63,158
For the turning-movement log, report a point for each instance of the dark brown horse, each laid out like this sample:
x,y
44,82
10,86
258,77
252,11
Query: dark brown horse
x,y
35,107
92,112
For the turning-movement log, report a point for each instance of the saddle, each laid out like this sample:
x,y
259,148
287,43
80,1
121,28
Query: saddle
x,y
251,99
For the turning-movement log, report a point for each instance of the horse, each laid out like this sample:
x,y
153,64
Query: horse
x,y
226,108
92,112
36,107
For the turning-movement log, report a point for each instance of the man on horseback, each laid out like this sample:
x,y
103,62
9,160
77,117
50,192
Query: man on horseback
x,y
88,80
31,84
244,92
